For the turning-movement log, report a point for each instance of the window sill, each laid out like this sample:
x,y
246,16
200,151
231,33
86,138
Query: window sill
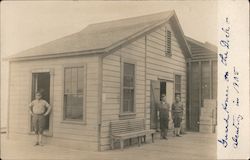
x,y
127,115
74,122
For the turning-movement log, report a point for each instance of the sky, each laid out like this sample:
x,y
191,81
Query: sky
x,y
25,24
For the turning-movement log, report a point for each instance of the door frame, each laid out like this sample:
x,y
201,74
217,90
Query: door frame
x,y
171,81
153,111
162,80
51,73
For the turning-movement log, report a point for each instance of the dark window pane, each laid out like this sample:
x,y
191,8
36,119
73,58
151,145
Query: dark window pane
x,y
67,80
177,84
80,73
74,87
74,75
129,75
67,106
125,105
128,100
67,75
178,88
74,80
80,80
67,87
177,79
128,90
129,69
131,101
73,106
80,88
77,108
73,93
128,81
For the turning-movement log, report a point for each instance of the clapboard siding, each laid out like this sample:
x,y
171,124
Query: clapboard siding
x,y
135,51
20,96
151,64
159,65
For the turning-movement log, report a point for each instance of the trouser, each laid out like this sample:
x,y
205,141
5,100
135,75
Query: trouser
x,y
177,122
164,133
177,131
38,123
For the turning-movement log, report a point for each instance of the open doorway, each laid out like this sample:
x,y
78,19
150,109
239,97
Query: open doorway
x,y
159,88
41,83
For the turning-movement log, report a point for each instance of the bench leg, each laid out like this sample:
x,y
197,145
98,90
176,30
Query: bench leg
x,y
121,144
130,141
152,137
144,138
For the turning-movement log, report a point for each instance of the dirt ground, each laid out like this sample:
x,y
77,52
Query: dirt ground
x,y
191,146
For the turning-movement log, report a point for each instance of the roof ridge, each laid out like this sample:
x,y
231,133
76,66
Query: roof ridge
x,y
119,22
206,45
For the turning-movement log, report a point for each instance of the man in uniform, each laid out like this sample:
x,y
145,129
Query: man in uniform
x,y
177,114
164,117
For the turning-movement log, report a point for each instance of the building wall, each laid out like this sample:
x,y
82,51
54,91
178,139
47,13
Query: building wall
x,y
151,64
112,85
163,67
64,134
203,85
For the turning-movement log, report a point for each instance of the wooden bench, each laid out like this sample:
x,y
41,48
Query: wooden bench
x,y
127,129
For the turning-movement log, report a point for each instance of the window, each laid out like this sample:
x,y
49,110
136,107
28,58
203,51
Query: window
x,y
177,85
128,88
73,93
168,42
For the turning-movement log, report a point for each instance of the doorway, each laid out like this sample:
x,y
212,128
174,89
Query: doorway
x,y
159,88
41,83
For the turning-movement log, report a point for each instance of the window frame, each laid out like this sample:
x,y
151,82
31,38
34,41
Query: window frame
x,y
168,52
125,115
178,83
73,121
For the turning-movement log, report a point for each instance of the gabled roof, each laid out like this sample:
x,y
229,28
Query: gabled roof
x,y
201,50
103,37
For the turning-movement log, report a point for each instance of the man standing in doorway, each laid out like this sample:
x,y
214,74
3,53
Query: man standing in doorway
x,y
164,117
177,114
39,108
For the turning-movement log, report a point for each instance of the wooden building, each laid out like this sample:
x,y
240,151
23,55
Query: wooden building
x,y
106,72
202,79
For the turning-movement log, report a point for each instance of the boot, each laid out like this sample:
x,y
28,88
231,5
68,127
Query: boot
x,y
175,131
166,134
